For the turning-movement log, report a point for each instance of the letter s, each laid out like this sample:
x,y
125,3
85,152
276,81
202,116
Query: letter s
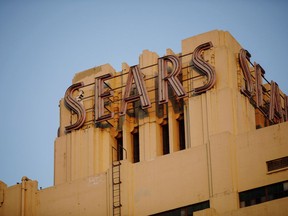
x,y
204,68
72,104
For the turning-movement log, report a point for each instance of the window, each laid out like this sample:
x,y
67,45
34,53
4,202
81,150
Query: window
x,y
165,137
263,194
135,147
181,129
186,210
119,140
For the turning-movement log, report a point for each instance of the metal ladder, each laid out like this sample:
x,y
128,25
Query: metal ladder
x,y
116,182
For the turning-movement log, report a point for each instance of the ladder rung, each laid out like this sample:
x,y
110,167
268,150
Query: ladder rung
x,y
116,164
116,190
116,171
118,206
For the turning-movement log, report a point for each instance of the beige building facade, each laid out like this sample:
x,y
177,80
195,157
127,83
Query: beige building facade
x,y
201,132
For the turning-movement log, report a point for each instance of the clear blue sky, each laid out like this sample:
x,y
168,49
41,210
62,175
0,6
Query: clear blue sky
x,y
44,43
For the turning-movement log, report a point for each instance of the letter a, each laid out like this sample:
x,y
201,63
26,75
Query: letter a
x,y
135,73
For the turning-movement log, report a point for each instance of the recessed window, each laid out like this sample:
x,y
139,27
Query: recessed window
x,y
165,137
186,210
119,140
263,194
135,147
181,130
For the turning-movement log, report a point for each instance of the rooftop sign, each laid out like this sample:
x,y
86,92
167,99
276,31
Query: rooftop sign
x,y
272,104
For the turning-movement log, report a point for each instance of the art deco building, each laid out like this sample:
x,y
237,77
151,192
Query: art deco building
x,y
201,132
